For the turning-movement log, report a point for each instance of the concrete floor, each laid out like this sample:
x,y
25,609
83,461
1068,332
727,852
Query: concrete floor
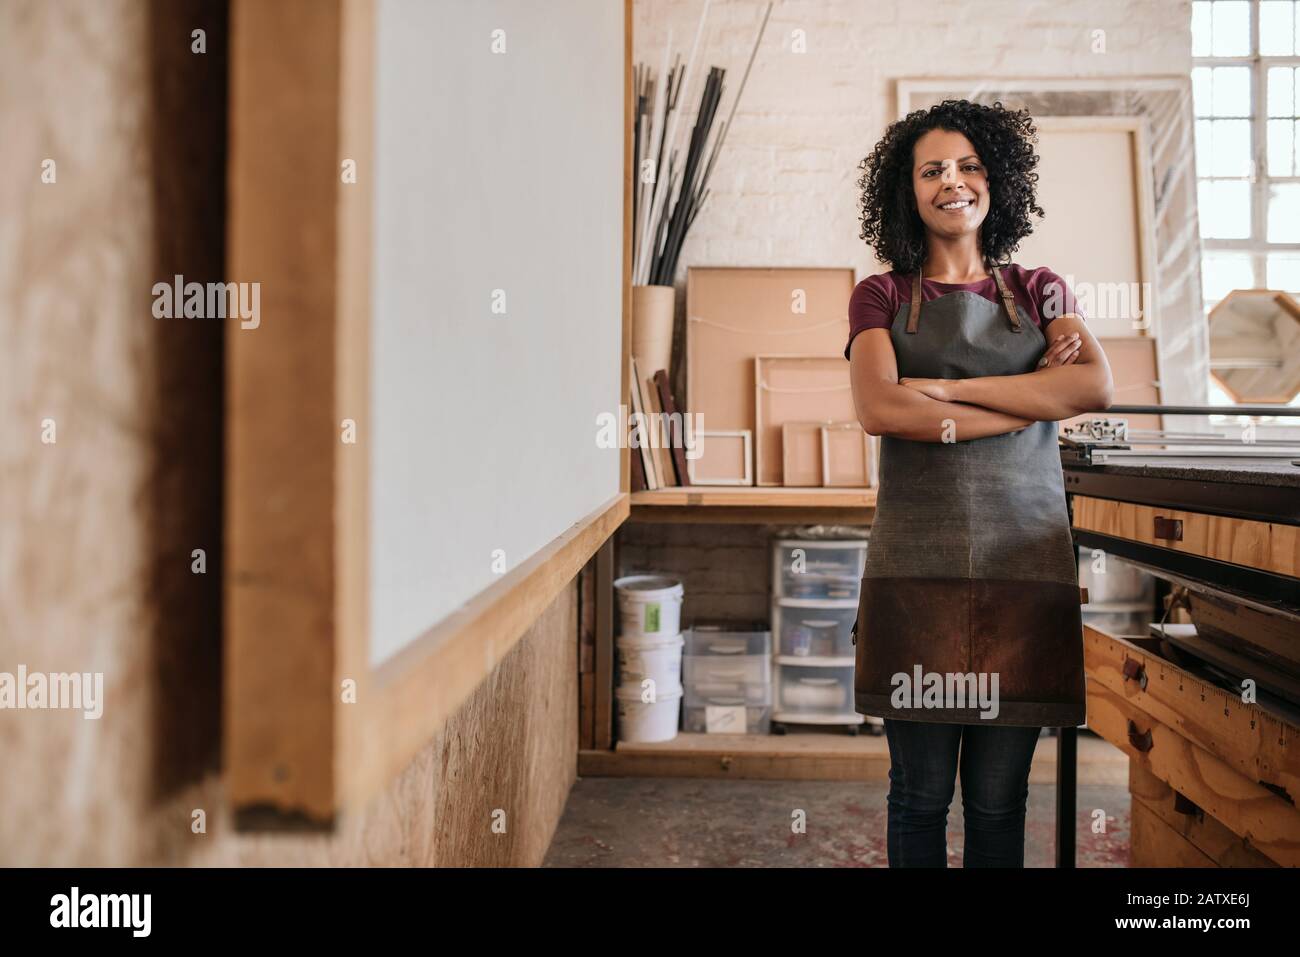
x,y
716,822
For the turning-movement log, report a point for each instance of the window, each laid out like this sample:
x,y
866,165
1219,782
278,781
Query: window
x,y
1246,96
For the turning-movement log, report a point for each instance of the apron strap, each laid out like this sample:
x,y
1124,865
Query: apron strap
x,y
1007,300
914,315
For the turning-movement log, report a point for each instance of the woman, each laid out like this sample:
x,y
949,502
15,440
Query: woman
x,y
969,634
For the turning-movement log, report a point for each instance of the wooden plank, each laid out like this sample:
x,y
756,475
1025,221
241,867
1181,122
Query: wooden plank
x,y
587,656
604,726
754,506
409,698
805,754
629,178
1245,807
279,550
822,757
1207,835
1217,618
706,515
723,496
1267,546
1153,843
1258,745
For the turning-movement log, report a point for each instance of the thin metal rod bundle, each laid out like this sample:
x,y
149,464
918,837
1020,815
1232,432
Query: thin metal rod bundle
x,y
661,216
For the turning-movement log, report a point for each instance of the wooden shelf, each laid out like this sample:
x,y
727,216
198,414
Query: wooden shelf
x,y
753,504
809,753
804,753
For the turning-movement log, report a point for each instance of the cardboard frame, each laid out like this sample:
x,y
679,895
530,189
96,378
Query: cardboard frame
x,y
747,451
766,431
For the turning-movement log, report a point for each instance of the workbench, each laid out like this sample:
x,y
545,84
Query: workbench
x,y
1213,777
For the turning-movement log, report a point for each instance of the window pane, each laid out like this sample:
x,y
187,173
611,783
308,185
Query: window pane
x,y
1203,144
1276,28
1230,91
1201,90
1201,28
1222,272
1229,148
1281,91
1281,147
1224,209
1284,213
1284,272
1231,28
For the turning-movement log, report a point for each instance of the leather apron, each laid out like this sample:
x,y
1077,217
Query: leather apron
x,y
970,567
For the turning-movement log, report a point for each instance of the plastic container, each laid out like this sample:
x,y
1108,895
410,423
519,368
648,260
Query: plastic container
x,y
804,690
814,629
715,655
702,693
659,659
646,723
737,669
727,719
702,640
649,605
822,569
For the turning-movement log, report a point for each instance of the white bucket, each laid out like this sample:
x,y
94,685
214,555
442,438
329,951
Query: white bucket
x,y
659,659
638,721
649,605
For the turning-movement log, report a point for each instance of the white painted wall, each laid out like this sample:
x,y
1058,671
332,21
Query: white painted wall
x,y
494,171
784,190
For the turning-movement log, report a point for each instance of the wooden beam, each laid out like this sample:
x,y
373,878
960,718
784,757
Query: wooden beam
x,y
279,575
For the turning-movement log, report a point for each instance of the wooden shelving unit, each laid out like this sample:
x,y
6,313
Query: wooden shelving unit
x,y
696,753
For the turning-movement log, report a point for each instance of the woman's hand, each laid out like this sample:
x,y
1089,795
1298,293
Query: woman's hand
x,y
940,389
1063,350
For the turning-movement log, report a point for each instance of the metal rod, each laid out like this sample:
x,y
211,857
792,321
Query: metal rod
x,y
1199,410
1245,452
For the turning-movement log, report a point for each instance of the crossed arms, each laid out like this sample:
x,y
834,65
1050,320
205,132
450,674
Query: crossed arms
x,y
1075,378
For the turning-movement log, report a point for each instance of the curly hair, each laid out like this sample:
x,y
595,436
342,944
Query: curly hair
x,y
891,223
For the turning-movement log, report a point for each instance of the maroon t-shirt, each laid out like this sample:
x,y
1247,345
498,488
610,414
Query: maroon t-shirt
x,y
876,300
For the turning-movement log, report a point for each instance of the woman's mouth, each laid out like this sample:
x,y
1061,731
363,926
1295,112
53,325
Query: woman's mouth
x,y
957,205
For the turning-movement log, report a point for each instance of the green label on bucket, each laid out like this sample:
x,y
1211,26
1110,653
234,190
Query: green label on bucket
x,y
652,616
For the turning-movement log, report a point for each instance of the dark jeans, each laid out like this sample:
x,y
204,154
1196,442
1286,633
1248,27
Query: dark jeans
x,y
923,767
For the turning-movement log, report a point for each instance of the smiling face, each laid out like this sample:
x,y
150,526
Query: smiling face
x,y
952,190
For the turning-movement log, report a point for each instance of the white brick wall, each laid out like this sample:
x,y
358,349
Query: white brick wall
x,y
784,190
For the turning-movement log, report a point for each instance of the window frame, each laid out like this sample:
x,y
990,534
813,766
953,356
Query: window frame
x,y
1256,246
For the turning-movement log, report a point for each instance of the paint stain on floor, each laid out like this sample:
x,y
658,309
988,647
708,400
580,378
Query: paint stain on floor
x,y
709,822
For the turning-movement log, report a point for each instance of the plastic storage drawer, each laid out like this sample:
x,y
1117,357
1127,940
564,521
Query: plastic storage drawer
x,y
758,720
818,569
713,669
711,642
699,694
811,690
815,631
